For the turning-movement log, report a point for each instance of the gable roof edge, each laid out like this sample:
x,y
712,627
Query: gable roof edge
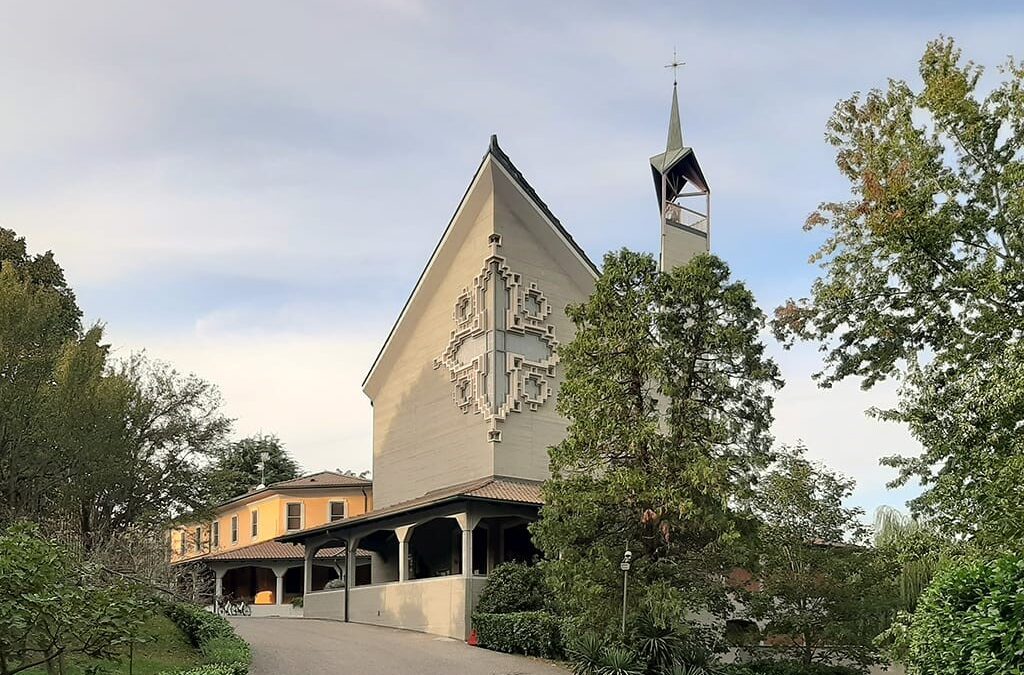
x,y
499,156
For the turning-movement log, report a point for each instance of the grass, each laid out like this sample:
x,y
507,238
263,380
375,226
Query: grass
x,y
166,651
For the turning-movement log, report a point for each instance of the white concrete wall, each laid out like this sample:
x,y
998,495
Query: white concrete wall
x,y
436,606
324,605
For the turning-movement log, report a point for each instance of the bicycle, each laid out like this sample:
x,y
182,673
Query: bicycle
x,y
240,608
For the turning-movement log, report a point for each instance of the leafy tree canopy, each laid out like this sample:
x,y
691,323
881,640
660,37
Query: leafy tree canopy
x,y
667,393
924,281
236,468
87,443
819,592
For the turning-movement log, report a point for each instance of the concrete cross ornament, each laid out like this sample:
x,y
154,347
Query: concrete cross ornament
x,y
501,356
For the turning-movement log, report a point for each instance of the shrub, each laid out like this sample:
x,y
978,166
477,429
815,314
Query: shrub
x,y
297,601
970,620
530,633
198,625
215,669
513,587
224,652
786,668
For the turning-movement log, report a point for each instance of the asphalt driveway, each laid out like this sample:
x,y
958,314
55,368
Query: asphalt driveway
x,y
285,646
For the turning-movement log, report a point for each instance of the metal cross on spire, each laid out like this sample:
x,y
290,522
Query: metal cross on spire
x,y
675,65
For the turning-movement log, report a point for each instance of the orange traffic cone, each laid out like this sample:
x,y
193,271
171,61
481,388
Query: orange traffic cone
x,y
472,641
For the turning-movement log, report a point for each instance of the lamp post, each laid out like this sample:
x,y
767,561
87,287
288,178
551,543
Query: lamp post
x,y
624,566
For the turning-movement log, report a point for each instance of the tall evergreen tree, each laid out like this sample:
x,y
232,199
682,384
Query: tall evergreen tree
x,y
667,394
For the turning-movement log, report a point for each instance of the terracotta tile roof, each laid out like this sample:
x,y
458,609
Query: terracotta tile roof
x,y
323,479
508,490
493,488
275,550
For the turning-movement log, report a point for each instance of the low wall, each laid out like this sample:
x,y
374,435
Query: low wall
x,y
437,606
324,604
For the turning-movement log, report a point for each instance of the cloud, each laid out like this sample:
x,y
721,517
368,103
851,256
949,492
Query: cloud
x,y
301,385
250,189
833,425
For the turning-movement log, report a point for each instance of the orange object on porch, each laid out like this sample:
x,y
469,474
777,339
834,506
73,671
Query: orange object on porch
x,y
264,598
472,641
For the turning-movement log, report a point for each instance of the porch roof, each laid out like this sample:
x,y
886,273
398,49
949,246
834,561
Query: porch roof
x,y
275,550
491,489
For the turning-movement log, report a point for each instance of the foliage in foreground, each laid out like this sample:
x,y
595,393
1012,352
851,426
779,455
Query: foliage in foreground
x,y
54,606
970,620
667,394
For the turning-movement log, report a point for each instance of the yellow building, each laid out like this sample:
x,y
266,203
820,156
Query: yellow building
x,y
238,543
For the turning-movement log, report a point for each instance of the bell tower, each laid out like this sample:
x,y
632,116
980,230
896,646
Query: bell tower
x,y
684,198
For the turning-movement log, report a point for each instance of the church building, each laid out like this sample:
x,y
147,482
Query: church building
x,y
463,394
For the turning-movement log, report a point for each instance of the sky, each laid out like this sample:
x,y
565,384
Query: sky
x,y
249,190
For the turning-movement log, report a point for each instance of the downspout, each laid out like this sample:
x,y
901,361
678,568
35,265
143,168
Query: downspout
x,y
366,500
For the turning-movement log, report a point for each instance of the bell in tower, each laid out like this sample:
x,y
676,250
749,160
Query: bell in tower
x,y
684,197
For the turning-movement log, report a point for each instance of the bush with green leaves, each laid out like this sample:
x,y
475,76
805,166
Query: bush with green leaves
x,y
786,668
214,669
53,605
530,633
970,620
214,637
651,647
513,587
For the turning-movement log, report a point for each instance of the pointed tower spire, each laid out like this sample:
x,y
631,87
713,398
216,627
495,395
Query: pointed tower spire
x,y
684,197
675,129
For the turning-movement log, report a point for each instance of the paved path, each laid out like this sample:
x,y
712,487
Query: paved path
x,y
284,646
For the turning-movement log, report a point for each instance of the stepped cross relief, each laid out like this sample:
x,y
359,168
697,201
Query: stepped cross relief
x,y
501,356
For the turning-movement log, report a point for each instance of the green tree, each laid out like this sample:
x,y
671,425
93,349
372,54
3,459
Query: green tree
x,y
31,334
820,593
236,468
43,272
924,279
666,392
87,443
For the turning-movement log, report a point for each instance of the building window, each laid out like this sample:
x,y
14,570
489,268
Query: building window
x,y
337,511
255,523
182,543
215,534
199,538
234,529
294,520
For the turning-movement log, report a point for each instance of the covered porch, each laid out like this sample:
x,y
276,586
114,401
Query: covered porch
x,y
272,573
428,559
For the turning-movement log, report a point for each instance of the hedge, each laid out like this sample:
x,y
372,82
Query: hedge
x,y
530,633
224,652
